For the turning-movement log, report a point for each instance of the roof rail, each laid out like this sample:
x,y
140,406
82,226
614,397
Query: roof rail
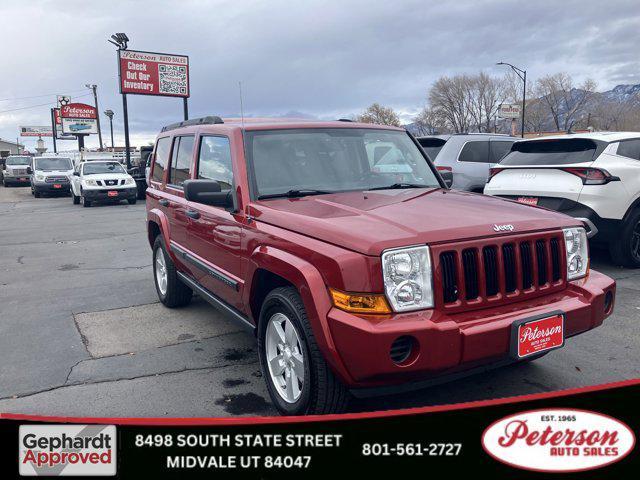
x,y
345,120
209,120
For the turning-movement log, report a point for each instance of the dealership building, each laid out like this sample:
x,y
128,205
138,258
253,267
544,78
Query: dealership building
x,y
9,148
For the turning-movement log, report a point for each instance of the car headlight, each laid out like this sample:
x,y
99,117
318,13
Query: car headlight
x,y
129,181
575,240
91,183
40,178
407,274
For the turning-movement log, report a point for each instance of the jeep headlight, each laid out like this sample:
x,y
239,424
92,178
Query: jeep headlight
x,y
575,240
91,183
407,274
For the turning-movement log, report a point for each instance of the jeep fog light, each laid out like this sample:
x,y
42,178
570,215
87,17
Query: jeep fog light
x,y
407,276
575,240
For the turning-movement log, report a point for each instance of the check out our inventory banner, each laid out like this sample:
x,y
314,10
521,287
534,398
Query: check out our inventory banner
x,y
583,433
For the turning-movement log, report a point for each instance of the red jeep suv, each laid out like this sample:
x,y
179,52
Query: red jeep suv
x,y
359,271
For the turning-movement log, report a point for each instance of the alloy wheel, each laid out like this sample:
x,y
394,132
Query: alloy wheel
x,y
161,272
285,359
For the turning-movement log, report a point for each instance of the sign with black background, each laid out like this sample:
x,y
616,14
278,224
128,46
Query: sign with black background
x,y
436,441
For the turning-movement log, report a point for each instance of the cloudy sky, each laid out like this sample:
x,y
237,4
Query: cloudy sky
x,y
323,58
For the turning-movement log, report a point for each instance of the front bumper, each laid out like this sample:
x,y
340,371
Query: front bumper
x,y
452,344
19,180
64,187
102,194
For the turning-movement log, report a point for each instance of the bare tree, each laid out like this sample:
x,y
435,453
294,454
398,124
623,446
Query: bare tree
x,y
379,114
429,122
564,102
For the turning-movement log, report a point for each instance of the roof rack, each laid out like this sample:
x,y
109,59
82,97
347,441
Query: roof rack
x,y
208,120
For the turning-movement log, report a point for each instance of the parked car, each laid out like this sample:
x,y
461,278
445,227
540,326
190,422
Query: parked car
x,y
467,156
594,177
50,175
359,280
100,181
15,170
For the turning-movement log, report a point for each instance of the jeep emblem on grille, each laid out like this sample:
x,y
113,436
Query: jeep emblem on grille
x,y
504,228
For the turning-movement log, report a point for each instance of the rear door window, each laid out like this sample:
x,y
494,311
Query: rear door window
x,y
181,160
498,149
162,157
630,149
552,152
475,151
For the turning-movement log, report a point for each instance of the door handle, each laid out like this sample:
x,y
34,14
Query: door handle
x,y
164,202
193,214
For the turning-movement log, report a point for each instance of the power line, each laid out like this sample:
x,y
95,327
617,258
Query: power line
x,y
39,96
40,105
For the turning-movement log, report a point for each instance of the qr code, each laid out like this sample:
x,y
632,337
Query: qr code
x,y
173,79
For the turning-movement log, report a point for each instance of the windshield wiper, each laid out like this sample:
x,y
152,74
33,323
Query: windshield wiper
x,y
295,193
396,186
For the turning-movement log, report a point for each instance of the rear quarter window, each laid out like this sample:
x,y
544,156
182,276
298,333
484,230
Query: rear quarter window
x,y
161,158
553,152
498,150
629,148
475,151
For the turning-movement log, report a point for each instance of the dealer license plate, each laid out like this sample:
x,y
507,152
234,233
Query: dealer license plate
x,y
57,185
540,335
528,200
112,193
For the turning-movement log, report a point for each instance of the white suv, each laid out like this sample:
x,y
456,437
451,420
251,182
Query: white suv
x,y
99,181
594,177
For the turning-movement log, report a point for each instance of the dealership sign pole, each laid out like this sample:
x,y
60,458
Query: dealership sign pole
x,y
150,73
79,119
55,130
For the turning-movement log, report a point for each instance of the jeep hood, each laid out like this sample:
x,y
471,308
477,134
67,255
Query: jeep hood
x,y
370,222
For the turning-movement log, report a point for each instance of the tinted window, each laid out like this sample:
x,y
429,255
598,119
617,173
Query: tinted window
x,y
161,158
334,159
181,160
432,146
498,150
476,151
630,148
214,161
551,152
53,163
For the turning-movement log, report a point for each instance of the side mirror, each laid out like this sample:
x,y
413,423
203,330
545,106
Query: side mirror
x,y
76,173
29,170
208,192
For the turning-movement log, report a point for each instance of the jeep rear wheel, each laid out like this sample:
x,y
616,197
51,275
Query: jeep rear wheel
x,y
171,291
625,250
298,378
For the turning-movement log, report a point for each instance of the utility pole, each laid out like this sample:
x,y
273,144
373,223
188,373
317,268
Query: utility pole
x,y
94,88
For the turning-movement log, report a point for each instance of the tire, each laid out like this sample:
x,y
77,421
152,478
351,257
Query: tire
x,y
76,199
625,250
176,293
132,201
37,194
142,193
321,391
85,203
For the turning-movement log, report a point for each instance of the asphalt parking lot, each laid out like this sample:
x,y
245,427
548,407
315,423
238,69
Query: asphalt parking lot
x,y
82,332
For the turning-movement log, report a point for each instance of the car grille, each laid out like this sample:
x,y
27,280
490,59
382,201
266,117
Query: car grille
x,y
56,180
498,271
19,171
110,183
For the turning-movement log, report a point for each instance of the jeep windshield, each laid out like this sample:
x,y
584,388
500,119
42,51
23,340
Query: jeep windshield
x,y
51,164
294,163
91,168
18,160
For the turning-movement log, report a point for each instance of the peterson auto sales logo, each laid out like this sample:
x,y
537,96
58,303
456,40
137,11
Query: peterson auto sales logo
x,y
60,450
558,440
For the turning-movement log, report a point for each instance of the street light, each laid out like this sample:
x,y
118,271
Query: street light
x,y
523,76
121,41
109,113
94,88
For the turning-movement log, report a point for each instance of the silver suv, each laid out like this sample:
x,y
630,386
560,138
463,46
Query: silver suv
x,y
467,156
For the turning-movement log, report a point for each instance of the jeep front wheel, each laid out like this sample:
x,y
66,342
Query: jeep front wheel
x,y
171,291
298,378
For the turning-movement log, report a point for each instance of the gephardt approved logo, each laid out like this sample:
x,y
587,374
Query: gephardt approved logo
x,y
558,440
58,450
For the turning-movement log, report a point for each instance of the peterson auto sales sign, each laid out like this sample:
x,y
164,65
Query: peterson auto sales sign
x,y
148,73
558,440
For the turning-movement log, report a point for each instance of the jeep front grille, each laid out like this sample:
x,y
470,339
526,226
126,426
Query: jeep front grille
x,y
500,270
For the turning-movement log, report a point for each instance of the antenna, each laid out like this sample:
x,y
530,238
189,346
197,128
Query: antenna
x,y
241,107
